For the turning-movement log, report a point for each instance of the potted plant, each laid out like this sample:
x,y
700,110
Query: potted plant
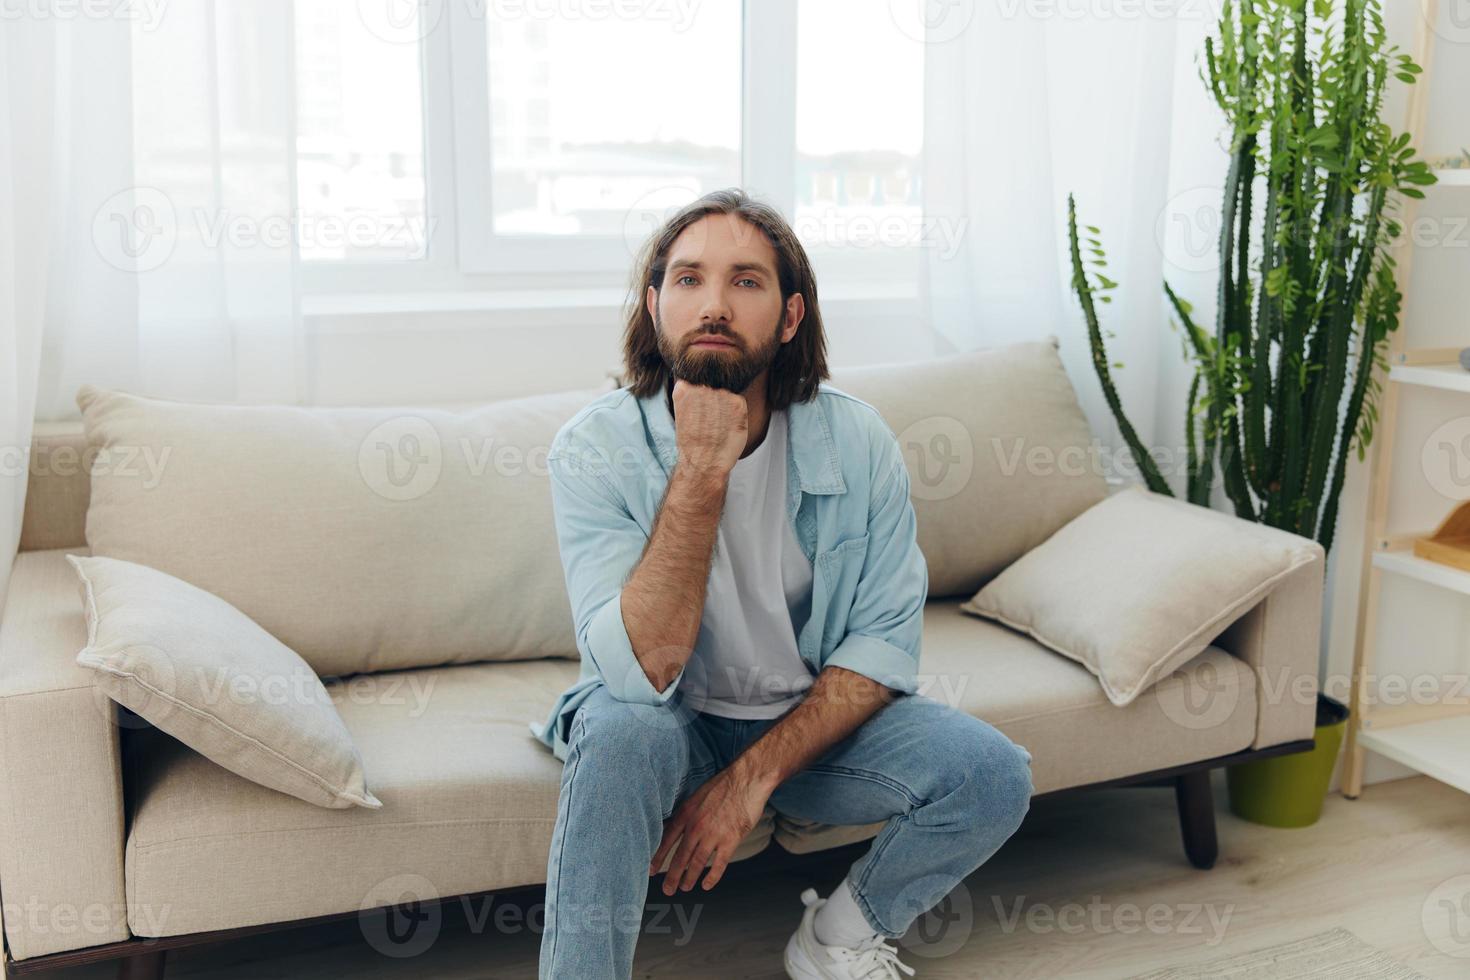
x,y
1284,385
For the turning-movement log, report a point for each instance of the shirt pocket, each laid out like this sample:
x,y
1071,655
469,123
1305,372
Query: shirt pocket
x,y
840,569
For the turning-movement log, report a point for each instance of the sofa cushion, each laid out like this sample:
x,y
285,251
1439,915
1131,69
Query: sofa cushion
x,y
1056,710
469,804
999,453
57,488
362,538
60,770
196,667
1139,584
470,798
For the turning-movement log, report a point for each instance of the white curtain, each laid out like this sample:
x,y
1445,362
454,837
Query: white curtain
x,y
1025,103
146,168
206,219
27,95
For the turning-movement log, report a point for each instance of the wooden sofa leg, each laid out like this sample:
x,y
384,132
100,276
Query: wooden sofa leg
x,y
144,966
1197,817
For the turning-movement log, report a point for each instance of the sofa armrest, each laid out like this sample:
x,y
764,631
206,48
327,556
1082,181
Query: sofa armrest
x,y
61,783
1279,638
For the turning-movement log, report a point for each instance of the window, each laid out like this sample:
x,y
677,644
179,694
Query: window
x,y
859,131
359,139
523,143
598,116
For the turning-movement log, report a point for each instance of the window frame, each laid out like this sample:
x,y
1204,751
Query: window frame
x,y
464,255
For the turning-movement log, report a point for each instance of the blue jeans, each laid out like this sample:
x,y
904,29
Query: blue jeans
x,y
951,787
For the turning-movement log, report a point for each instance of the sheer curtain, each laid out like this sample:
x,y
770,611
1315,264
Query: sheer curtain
x,y
146,168
1025,103
27,96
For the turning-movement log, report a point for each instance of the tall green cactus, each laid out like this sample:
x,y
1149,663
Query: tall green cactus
x,y
1303,324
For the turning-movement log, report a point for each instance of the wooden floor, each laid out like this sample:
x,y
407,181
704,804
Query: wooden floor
x,y
1092,886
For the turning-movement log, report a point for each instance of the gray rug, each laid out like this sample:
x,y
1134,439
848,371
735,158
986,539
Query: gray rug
x,y
1333,955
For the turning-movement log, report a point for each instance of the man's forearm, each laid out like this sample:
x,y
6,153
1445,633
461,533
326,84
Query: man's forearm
x,y
836,705
663,600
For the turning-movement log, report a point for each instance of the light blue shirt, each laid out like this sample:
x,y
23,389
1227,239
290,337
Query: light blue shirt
x,y
847,499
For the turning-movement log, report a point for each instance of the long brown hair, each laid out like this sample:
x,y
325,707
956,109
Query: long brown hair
x,y
800,364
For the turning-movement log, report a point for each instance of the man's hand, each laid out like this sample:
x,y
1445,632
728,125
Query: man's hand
x,y
717,816
709,825
711,426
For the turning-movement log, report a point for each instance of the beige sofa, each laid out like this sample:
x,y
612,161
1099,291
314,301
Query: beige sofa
x,y
112,832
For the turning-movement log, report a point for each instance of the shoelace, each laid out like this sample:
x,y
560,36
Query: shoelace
x,y
875,959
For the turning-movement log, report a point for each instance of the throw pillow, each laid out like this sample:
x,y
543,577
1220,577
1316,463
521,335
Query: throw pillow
x,y
197,668
1139,584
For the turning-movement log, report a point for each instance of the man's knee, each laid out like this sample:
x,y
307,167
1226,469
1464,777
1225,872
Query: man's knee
x,y
1006,775
991,768
632,734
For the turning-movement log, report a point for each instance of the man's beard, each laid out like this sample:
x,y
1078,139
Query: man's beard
x,y
733,369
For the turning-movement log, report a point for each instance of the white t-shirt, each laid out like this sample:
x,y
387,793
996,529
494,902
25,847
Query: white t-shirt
x,y
745,663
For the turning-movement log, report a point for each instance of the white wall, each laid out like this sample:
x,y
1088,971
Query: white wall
x,y
454,355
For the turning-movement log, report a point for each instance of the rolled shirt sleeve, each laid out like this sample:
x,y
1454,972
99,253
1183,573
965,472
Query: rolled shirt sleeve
x,y
600,545
886,622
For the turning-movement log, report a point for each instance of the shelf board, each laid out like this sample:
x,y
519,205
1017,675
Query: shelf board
x,y
1439,748
1448,376
1384,716
1405,562
1453,176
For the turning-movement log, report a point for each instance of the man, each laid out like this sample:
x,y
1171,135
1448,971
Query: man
x,y
748,594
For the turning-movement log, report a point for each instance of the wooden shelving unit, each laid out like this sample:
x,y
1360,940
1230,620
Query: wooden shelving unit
x,y
1432,738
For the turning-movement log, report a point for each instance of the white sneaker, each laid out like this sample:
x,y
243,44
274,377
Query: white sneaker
x,y
808,959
